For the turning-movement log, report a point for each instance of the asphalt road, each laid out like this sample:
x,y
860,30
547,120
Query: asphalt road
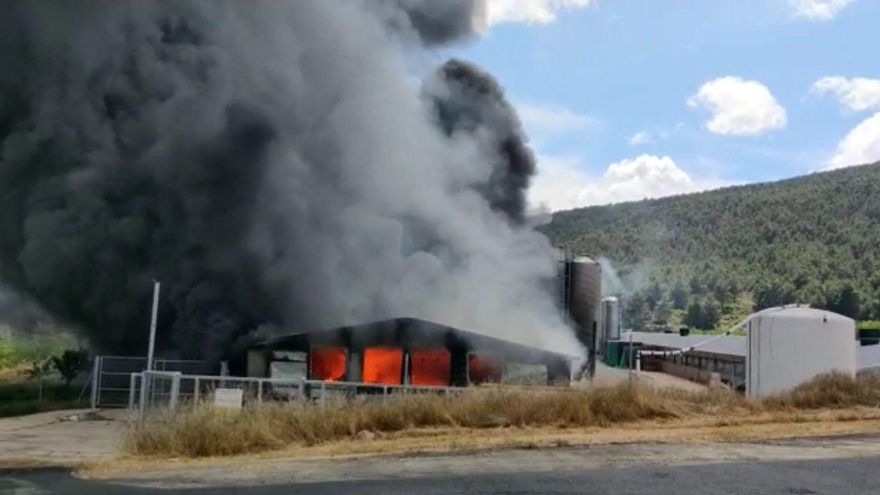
x,y
828,476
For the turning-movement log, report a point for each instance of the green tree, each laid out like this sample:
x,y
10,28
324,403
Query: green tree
x,y
711,312
694,316
799,240
697,286
653,294
679,296
38,371
769,293
845,301
637,314
663,311
70,364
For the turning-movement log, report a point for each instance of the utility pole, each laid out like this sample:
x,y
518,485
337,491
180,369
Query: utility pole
x,y
155,314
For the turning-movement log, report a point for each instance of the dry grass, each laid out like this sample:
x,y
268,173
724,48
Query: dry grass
x,y
210,432
830,391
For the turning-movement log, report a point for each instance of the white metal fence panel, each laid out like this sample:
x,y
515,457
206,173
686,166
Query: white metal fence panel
x,y
112,381
153,391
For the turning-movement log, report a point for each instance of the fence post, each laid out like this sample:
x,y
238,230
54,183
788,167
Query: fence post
x,y
323,394
131,390
175,391
96,371
260,392
196,392
146,383
302,388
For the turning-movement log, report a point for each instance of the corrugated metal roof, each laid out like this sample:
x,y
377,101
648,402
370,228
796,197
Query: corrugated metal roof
x,y
731,345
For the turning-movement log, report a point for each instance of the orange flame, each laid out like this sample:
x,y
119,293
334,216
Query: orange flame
x,y
328,363
383,365
429,367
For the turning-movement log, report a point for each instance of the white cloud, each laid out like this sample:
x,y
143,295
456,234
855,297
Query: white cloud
x,y
561,183
739,107
527,11
543,121
818,10
641,137
857,94
860,146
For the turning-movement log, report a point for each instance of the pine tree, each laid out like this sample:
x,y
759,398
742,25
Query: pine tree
x,y
663,311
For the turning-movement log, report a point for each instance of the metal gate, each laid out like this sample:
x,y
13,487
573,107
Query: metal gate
x,y
112,382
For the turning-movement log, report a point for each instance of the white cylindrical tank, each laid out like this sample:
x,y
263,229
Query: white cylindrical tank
x,y
790,345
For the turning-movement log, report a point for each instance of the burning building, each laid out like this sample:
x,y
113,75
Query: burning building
x,y
403,351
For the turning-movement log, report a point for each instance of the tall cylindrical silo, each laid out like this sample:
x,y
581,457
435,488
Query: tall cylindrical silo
x,y
609,327
585,295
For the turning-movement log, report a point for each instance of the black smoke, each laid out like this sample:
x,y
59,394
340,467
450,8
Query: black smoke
x,y
466,99
20,315
269,162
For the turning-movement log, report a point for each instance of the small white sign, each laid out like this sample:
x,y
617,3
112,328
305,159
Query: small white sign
x,y
229,398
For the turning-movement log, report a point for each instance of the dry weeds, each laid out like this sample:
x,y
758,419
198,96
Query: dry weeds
x,y
210,432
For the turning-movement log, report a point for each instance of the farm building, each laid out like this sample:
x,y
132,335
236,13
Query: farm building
x,y
405,351
782,347
694,357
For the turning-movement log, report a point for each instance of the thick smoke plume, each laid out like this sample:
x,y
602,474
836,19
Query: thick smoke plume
x,y
468,100
270,162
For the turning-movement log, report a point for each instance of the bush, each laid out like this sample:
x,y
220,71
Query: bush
x,y
19,350
70,364
868,325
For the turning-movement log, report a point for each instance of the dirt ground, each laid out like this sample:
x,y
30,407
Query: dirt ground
x,y
67,437
607,376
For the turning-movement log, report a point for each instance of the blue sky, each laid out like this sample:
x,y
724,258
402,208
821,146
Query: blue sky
x,y
625,99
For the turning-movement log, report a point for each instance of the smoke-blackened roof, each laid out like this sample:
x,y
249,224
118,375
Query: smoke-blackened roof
x,y
412,333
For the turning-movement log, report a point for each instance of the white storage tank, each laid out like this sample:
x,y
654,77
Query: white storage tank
x,y
790,345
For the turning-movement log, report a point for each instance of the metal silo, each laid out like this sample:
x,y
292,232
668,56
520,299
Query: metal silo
x,y
580,291
609,328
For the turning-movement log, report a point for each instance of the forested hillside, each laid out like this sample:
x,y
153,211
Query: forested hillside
x,y
706,259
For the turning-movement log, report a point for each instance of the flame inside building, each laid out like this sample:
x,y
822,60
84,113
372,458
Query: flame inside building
x,y
403,351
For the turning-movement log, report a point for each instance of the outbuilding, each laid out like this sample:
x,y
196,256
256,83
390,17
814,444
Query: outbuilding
x,y
782,348
403,351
